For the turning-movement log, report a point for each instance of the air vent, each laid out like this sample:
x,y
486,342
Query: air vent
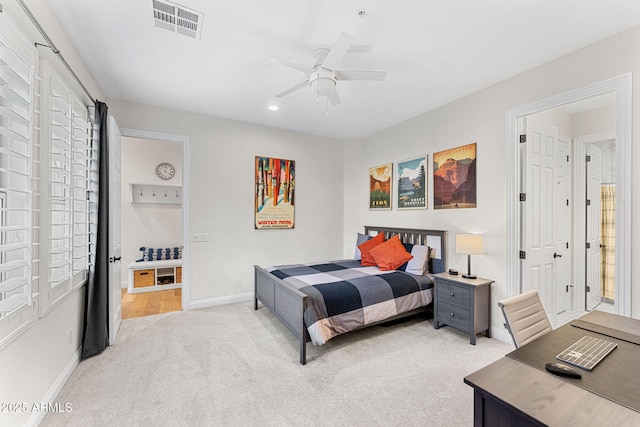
x,y
177,18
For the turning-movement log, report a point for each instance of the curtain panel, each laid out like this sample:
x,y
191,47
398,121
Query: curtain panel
x,y
608,240
96,317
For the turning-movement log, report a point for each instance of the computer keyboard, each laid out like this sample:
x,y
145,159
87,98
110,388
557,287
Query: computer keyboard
x,y
587,352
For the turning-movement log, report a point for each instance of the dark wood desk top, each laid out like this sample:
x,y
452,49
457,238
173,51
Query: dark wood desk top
x,y
613,321
549,399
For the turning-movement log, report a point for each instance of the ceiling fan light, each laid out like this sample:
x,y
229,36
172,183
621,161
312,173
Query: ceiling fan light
x,y
322,82
322,86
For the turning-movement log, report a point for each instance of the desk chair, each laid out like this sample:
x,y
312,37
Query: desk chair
x,y
525,317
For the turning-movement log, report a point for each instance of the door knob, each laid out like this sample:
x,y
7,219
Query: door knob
x,y
557,255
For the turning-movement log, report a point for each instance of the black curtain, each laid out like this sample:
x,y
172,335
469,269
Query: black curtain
x,y
95,336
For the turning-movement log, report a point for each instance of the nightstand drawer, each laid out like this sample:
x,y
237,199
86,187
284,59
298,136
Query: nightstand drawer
x,y
453,315
453,294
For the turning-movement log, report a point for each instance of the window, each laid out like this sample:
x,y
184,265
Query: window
x,y
16,126
81,164
46,165
66,158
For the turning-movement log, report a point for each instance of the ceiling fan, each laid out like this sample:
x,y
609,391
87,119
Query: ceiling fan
x,y
322,78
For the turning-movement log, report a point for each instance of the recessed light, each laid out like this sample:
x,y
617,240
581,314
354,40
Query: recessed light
x,y
273,108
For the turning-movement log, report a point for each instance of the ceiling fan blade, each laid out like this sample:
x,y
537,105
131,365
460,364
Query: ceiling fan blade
x,y
360,48
293,88
361,75
289,64
337,52
334,97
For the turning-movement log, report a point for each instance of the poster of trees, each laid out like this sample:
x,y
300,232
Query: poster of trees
x,y
274,193
454,178
380,187
412,183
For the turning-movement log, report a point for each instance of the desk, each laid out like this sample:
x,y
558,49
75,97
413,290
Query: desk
x,y
512,393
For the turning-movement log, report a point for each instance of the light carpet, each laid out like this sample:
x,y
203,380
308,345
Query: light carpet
x,y
233,366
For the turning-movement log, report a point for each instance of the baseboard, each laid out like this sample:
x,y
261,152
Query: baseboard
x,y
210,302
52,394
501,334
154,288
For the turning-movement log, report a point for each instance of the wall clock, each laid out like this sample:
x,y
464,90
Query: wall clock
x,y
165,171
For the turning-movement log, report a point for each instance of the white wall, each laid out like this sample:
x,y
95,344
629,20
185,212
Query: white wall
x,y
222,183
480,117
594,121
152,225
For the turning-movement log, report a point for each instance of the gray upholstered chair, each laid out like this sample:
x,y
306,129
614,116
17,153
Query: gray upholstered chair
x,y
525,317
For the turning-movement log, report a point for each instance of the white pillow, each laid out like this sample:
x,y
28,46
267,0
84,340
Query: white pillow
x,y
419,264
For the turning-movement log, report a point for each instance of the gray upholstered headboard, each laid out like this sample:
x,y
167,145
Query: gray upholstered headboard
x,y
435,239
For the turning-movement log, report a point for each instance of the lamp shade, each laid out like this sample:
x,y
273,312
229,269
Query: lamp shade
x,y
470,244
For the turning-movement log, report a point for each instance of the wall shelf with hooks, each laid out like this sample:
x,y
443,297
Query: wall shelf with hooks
x,y
152,193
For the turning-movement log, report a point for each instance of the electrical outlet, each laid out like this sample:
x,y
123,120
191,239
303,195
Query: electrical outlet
x,y
200,237
70,332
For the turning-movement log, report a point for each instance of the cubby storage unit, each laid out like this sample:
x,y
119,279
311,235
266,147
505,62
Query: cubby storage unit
x,y
147,276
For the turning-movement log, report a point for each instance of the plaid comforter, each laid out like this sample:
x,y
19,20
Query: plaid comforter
x,y
344,295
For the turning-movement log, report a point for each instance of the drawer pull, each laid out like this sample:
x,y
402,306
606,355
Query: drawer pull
x,y
452,294
144,273
452,314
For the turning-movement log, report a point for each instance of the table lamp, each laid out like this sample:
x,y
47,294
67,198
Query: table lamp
x,y
469,244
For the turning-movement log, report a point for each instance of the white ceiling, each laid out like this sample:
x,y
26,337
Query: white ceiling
x,y
434,51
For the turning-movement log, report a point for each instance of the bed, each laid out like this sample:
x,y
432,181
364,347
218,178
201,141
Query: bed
x,y
291,293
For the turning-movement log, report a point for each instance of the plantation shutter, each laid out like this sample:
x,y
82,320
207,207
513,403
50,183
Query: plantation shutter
x,y
66,164
57,164
81,168
16,112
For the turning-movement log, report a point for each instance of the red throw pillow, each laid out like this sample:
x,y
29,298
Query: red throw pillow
x,y
366,247
391,254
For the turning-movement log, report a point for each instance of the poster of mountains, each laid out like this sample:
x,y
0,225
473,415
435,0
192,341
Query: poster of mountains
x,y
454,178
412,183
380,186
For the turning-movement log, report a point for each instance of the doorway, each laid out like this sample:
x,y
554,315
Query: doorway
x,y
596,178
160,222
517,268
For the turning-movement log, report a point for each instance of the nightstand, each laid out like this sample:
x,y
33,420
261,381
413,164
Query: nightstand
x,y
463,303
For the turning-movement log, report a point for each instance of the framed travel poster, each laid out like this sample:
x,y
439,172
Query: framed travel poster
x,y
274,193
454,178
412,184
380,187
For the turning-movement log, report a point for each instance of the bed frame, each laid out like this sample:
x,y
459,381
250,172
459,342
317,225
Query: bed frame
x,y
288,303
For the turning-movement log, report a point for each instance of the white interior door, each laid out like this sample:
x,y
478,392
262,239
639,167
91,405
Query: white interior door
x,y
538,267
115,251
594,181
562,222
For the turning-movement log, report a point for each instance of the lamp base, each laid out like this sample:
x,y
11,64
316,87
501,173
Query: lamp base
x,y
469,276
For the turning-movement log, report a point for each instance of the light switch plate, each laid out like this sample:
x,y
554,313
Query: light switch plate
x,y
200,237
